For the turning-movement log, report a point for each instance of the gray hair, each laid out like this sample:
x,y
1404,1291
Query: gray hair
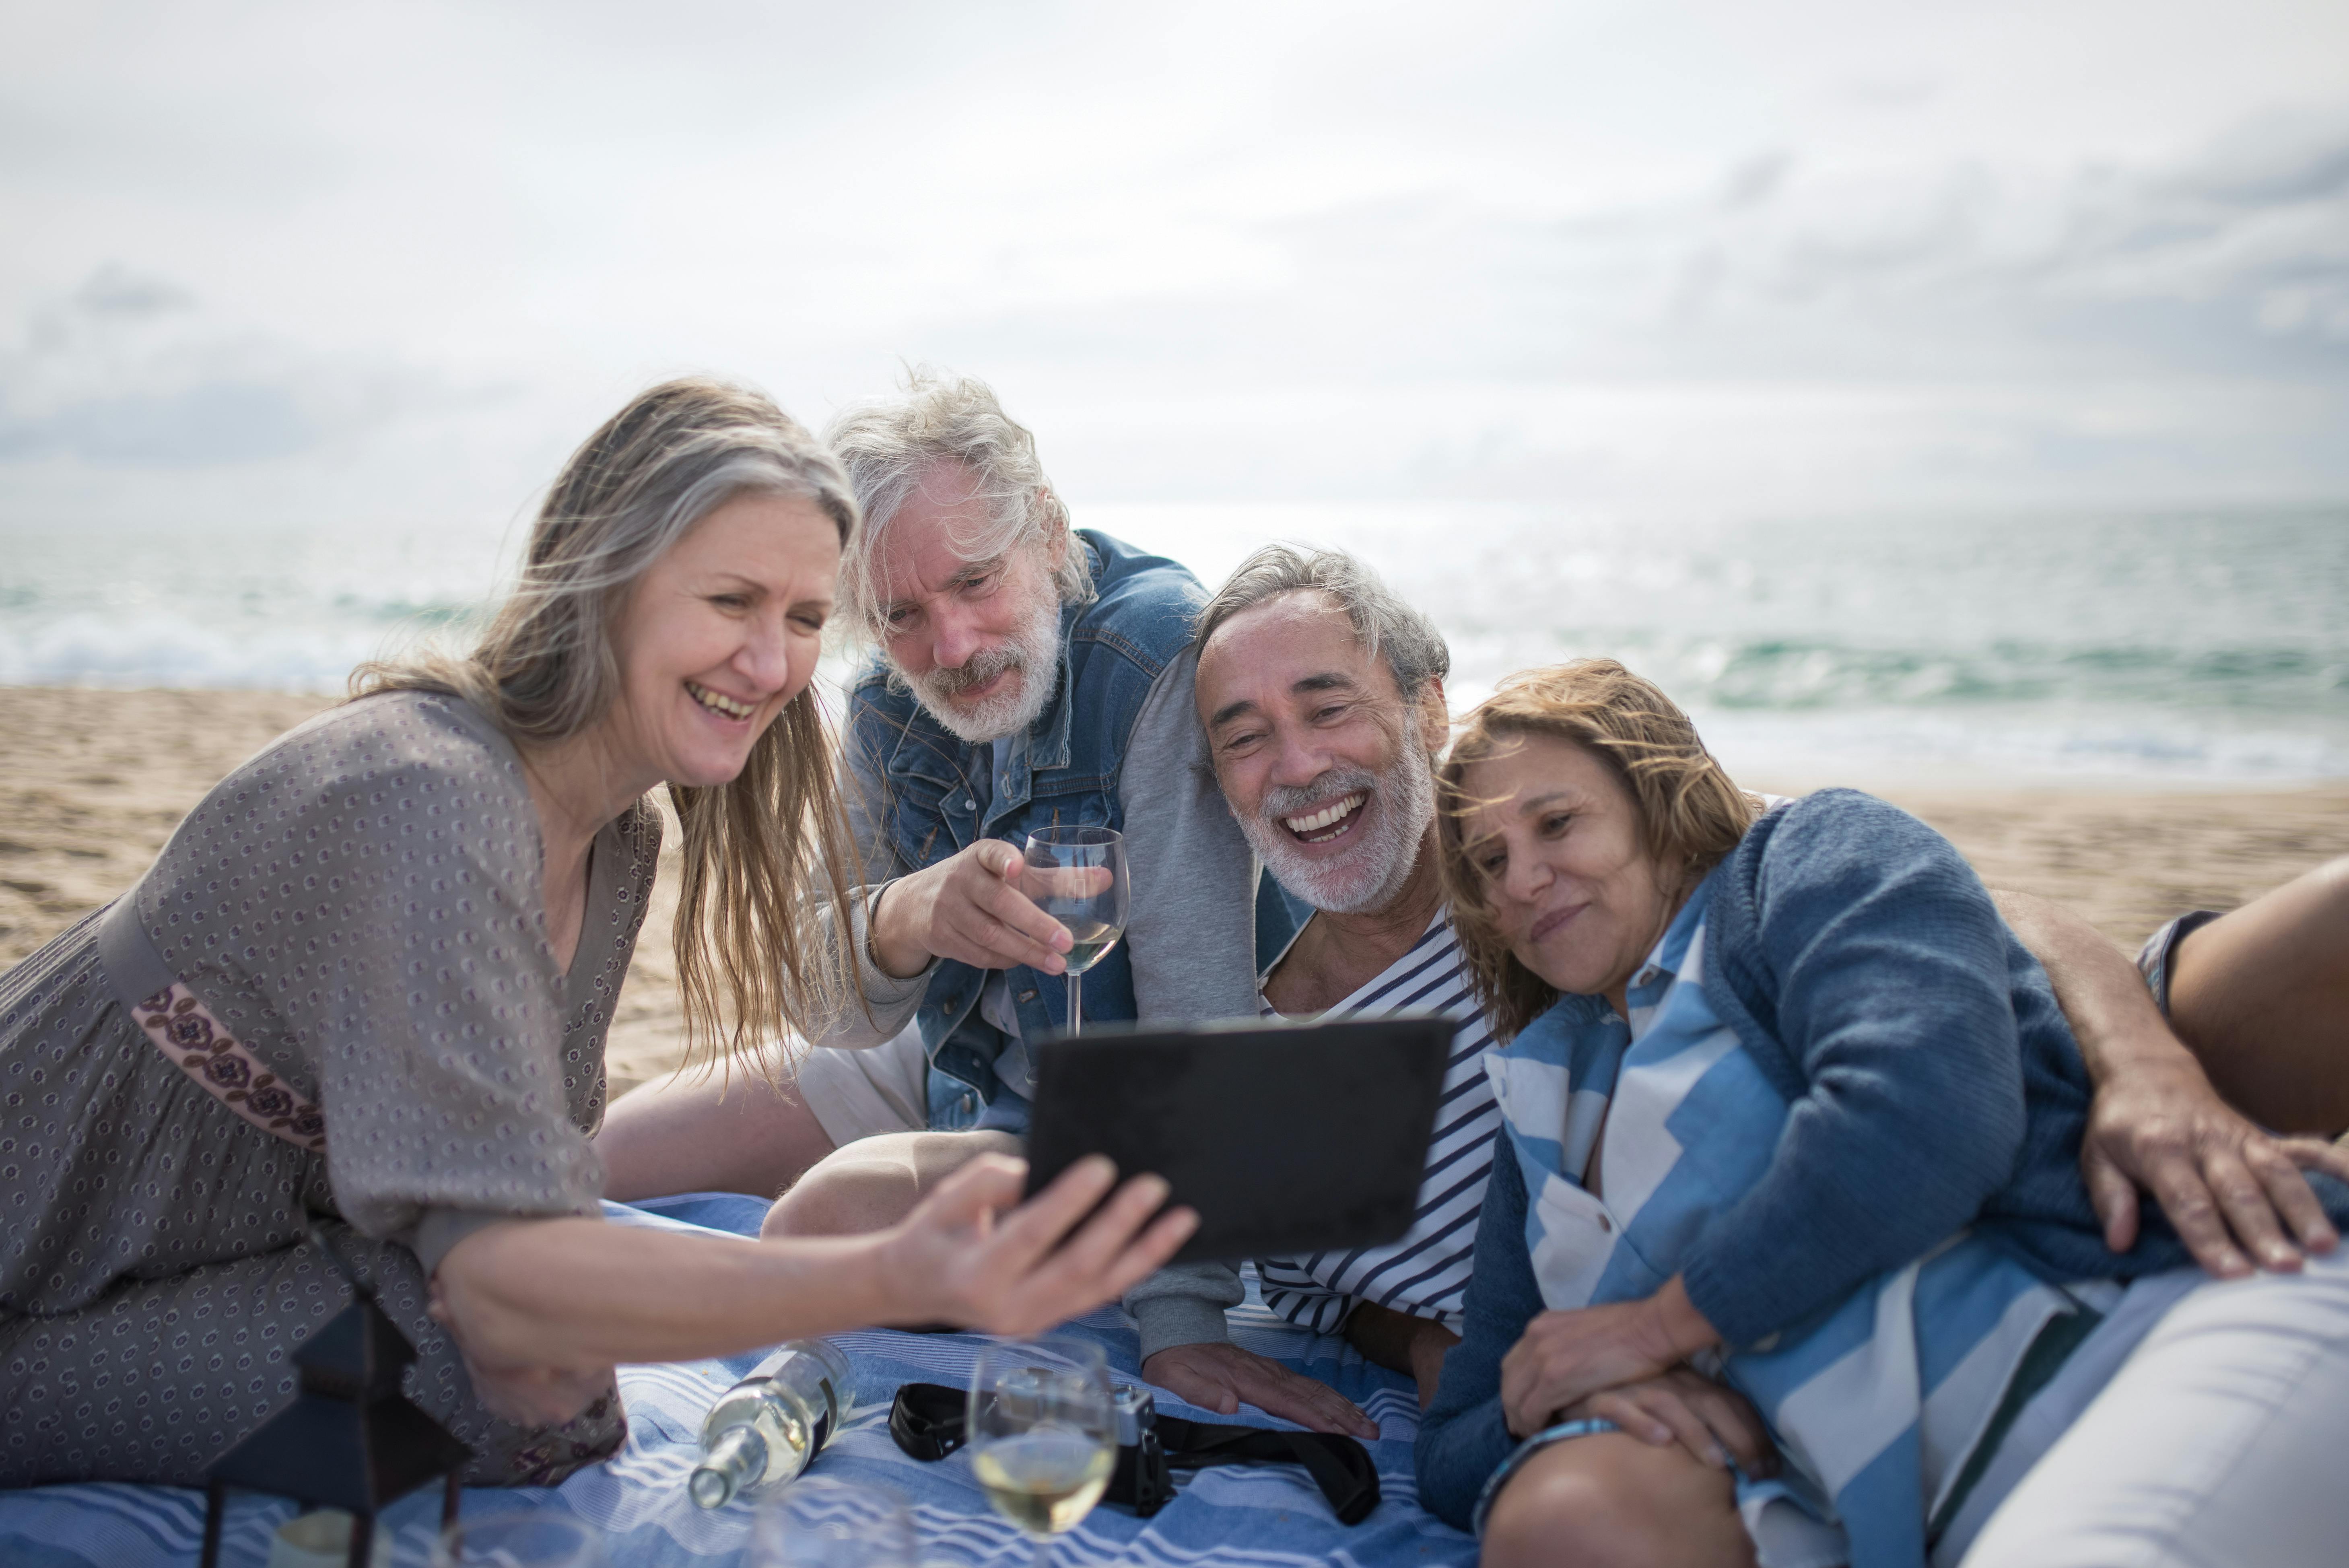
x,y
1414,651
889,446
751,962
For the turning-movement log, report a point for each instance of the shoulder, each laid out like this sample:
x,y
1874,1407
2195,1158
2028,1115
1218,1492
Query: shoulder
x,y
1144,605
1836,867
1838,836
383,764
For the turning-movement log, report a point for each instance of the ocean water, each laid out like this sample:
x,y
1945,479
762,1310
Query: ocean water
x,y
2180,648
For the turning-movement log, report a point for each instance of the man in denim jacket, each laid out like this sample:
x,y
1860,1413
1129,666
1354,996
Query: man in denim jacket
x,y
1027,675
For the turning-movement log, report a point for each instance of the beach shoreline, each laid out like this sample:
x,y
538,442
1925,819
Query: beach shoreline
x,y
93,781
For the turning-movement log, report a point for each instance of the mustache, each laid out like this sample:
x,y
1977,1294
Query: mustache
x,y
1297,800
980,669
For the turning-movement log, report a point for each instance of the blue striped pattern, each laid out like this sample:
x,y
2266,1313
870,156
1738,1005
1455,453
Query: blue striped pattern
x,y
1878,1402
1424,1275
1267,1516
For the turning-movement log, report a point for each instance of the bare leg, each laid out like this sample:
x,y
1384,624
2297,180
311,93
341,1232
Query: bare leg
x,y
711,1134
2261,994
1609,1500
873,1182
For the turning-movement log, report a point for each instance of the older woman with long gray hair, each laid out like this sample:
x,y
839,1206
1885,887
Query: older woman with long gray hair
x,y
366,986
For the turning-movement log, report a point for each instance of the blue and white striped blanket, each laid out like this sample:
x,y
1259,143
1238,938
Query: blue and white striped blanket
x,y
1267,1515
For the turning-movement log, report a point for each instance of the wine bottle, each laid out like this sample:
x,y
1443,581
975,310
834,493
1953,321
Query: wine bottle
x,y
763,1430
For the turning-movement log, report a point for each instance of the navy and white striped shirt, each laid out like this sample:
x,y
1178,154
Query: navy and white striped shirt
x,y
1425,1274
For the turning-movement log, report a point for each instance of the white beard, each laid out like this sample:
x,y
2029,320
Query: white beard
x,y
1395,825
1033,652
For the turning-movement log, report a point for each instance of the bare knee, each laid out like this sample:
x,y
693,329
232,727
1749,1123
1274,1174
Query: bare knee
x,y
1612,1500
843,1198
875,1182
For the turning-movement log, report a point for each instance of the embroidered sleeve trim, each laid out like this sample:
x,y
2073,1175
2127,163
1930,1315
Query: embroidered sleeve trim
x,y
185,1031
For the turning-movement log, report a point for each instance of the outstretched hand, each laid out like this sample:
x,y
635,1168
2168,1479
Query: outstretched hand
x,y
972,1253
2231,1191
1217,1374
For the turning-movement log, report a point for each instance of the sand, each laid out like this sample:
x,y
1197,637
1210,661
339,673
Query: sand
x,y
92,782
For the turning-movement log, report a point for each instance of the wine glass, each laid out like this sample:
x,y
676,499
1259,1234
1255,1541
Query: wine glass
x,y
820,1522
1077,875
1042,1433
542,1539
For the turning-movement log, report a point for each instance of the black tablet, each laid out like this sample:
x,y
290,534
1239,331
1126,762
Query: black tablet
x,y
1286,1138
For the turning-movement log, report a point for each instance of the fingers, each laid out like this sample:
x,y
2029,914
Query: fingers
x,y
997,913
1194,1385
2114,1196
1311,1403
2316,1233
2246,1208
1620,1406
1036,1227
986,1184
1112,1250
2283,1188
1220,1377
2194,1214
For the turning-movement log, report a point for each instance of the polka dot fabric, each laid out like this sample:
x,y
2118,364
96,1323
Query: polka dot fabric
x,y
360,906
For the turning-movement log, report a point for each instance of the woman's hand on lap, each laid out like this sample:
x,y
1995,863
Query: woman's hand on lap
x,y
1714,1423
972,1253
1565,1357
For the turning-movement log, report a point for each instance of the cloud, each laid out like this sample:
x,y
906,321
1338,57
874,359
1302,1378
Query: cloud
x,y
128,371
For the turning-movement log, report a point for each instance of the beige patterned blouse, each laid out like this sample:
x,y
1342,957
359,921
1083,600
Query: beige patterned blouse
x,y
332,992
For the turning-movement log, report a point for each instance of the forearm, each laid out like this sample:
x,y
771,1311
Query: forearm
x,y
707,1134
581,1293
889,994
2104,998
1192,933
1397,1340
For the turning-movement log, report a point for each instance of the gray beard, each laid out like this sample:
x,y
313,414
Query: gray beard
x,y
1034,651
1371,874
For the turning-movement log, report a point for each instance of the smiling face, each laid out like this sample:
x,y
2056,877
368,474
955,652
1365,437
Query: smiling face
x,y
1323,762
978,641
1556,839
722,632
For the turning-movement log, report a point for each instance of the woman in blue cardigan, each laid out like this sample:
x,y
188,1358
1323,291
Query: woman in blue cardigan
x,y
1788,1111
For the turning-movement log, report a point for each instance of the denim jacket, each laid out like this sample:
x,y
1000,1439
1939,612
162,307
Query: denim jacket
x,y
918,807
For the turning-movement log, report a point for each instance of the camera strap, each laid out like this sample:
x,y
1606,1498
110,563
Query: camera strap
x,y
927,1420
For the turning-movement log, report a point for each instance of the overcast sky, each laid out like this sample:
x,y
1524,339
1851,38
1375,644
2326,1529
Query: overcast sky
x,y
385,263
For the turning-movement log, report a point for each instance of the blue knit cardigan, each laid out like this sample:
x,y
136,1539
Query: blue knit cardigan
x,y
1933,1083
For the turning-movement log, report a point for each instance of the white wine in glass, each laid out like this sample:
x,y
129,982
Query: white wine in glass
x,y
1077,875
1042,1433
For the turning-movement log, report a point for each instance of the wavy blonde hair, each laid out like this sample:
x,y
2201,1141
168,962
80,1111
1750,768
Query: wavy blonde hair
x,y
748,963
1690,812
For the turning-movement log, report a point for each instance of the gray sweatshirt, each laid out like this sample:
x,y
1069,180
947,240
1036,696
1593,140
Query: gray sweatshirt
x,y
1190,936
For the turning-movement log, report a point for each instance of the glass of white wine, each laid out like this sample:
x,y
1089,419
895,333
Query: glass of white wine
x,y
1042,1433
1077,875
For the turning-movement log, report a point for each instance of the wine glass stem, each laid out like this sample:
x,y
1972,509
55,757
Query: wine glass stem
x,y
1076,1019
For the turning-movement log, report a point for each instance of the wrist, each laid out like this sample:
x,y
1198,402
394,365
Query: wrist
x,y
888,942
1677,1329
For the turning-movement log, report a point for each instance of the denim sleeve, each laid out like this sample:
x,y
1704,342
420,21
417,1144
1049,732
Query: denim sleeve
x,y
1463,1437
1888,968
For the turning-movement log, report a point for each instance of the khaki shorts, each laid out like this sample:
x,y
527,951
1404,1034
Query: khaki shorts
x,y
856,1094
